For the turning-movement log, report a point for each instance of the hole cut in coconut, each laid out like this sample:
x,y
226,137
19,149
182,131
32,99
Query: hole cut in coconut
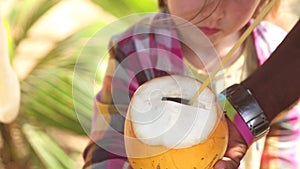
x,y
181,101
161,116
176,99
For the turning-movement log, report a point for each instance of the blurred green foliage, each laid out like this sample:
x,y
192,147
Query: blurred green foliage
x,y
46,91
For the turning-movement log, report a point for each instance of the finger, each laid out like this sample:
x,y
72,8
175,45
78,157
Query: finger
x,y
236,149
226,163
232,158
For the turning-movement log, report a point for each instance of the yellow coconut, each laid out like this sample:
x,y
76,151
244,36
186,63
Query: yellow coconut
x,y
161,133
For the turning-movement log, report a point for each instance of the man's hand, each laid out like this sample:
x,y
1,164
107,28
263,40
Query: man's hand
x,y
236,149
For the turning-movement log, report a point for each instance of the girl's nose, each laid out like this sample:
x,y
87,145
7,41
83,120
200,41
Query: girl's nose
x,y
213,10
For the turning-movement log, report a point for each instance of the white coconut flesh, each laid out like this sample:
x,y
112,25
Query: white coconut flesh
x,y
162,122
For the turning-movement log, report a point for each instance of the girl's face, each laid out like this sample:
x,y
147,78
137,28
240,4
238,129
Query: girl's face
x,y
222,17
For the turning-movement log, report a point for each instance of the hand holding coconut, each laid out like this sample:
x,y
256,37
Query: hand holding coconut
x,y
273,84
162,132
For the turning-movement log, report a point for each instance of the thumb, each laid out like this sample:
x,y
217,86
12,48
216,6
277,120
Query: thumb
x,y
236,149
226,163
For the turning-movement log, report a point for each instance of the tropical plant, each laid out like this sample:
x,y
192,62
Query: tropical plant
x,y
46,90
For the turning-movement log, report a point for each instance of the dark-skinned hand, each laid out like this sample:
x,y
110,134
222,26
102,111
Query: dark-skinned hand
x,y
236,149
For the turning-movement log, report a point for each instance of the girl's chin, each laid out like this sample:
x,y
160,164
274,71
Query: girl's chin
x,y
214,40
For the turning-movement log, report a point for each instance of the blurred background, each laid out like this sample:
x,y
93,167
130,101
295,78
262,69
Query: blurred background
x,y
44,40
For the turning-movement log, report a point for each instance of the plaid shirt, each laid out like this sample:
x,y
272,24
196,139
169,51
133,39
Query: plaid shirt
x,y
139,54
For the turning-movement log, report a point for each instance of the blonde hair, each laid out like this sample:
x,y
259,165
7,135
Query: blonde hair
x,y
275,16
262,5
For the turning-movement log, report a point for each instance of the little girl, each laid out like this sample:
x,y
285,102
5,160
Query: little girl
x,y
223,22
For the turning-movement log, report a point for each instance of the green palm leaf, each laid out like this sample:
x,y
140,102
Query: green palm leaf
x,y
50,82
48,151
24,15
120,8
47,99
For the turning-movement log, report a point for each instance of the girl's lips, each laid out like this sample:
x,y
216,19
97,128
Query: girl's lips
x,y
209,31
